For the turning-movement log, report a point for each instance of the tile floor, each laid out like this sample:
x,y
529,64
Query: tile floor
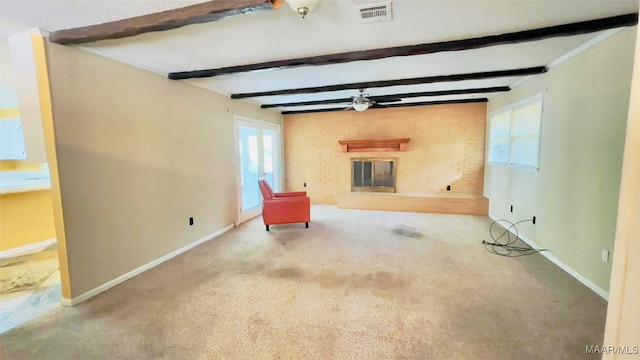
x,y
29,286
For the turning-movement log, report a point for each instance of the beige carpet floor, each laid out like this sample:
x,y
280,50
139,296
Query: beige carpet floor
x,y
355,285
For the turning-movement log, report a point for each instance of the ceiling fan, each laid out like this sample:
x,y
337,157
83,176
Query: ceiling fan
x,y
362,103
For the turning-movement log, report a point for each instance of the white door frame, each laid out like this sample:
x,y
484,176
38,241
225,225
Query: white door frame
x,y
278,161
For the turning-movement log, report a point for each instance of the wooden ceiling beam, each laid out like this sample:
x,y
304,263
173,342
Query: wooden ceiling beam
x,y
386,83
439,102
401,96
164,20
378,106
577,28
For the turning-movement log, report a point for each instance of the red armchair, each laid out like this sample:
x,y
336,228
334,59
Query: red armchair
x,y
284,207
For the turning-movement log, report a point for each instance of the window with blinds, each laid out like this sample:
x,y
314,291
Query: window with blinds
x,y
514,134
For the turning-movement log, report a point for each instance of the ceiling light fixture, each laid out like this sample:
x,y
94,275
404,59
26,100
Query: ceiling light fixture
x,y
302,7
361,104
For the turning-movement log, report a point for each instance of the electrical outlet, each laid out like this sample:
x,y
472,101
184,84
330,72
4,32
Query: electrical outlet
x,y
511,209
190,221
304,185
448,187
605,255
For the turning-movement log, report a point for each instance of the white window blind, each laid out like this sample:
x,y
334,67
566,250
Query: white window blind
x,y
499,135
514,134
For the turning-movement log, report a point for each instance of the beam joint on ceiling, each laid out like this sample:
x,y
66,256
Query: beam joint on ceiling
x,y
390,96
164,20
577,28
399,82
378,106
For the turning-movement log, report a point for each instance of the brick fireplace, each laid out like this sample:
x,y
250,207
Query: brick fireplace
x,y
446,151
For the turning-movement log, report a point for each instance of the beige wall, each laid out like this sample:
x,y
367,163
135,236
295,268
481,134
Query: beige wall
x,y
574,196
137,156
623,327
446,148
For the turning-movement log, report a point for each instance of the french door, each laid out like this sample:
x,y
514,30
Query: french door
x,y
258,154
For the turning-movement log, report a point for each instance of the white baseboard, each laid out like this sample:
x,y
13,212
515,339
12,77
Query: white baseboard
x,y
586,282
108,285
27,248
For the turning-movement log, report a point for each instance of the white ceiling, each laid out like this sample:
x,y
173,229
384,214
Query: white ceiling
x,y
332,27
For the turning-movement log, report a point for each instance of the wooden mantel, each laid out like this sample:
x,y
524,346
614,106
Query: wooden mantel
x,y
374,145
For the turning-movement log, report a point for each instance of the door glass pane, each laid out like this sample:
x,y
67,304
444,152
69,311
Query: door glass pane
x,y
249,167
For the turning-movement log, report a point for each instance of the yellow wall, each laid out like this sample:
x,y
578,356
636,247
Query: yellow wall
x,y
44,97
7,113
25,218
446,148
19,165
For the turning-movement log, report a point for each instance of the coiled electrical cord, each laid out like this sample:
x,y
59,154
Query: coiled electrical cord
x,y
503,241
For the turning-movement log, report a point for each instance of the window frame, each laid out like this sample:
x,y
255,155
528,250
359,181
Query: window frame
x,y
510,108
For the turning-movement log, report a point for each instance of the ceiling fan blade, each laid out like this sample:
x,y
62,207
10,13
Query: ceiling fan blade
x,y
385,100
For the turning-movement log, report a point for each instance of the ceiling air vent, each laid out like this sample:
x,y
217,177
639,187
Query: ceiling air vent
x,y
375,12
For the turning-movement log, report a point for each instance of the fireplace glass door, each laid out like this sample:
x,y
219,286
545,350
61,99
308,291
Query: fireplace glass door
x,y
373,175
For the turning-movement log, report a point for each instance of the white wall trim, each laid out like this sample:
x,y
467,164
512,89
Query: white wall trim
x,y
586,282
585,46
108,285
522,80
108,55
606,34
27,248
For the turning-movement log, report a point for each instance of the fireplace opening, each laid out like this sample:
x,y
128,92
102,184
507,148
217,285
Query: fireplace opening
x,y
373,175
